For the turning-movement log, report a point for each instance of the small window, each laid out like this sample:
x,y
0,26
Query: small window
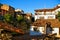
x,y
32,19
0,10
50,17
41,17
35,29
59,30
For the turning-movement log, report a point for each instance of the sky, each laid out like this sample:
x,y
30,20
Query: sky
x,y
31,5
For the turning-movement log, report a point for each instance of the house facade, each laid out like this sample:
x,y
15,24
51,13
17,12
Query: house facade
x,y
4,9
47,13
27,15
43,17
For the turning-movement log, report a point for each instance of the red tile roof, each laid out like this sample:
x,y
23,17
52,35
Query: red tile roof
x,y
42,22
44,10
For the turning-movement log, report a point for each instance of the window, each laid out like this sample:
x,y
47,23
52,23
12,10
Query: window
x,y
39,13
59,30
48,13
36,29
41,17
0,10
32,19
50,17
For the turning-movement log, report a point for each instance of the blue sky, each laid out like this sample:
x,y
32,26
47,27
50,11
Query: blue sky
x,y
31,5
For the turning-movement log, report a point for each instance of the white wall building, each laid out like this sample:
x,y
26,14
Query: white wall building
x,y
46,14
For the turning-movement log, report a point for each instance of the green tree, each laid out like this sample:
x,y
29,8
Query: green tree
x,y
19,18
21,23
8,18
58,15
24,26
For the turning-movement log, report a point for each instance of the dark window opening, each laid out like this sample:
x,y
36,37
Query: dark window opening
x,y
32,19
59,30
35,29
0,10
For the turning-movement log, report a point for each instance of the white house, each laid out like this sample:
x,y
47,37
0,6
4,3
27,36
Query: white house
x,y
46,15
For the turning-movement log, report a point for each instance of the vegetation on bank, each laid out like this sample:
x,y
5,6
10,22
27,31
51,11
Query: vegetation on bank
x,y
19,22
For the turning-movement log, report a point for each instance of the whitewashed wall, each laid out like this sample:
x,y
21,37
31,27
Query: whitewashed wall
x,y
56,11
40,13
55,30
45,16
31,28
32,32
41,29
48,13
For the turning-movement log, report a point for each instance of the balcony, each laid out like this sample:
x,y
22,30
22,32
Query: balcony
x,y
44,17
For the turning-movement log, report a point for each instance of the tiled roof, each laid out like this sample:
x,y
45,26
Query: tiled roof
x,y
42,22
41,10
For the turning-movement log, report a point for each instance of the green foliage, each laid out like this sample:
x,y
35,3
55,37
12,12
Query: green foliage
x,y
8,17
58,16
13,33
19,22
23,25
19,18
